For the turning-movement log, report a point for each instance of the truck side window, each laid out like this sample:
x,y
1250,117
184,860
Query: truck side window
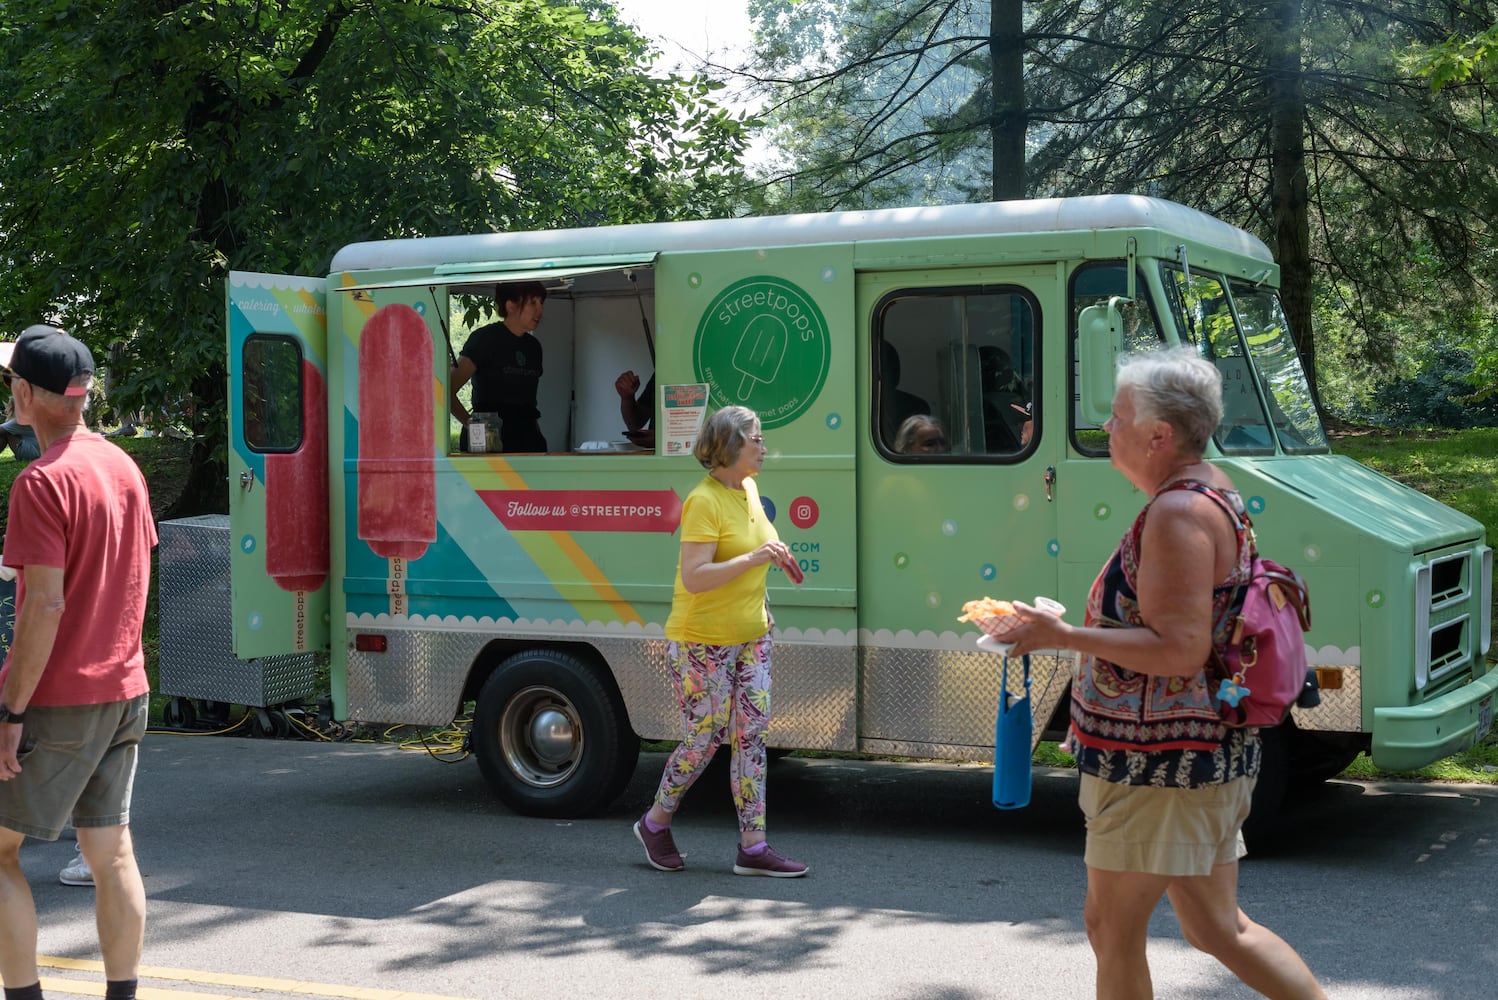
x,y
271,377
954,372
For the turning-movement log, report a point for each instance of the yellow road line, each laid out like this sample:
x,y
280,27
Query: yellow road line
x,y
51,985
296,986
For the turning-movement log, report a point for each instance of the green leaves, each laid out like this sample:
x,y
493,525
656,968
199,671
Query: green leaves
x,y
149,148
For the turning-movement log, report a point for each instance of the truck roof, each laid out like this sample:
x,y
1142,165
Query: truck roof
x,y
1044,215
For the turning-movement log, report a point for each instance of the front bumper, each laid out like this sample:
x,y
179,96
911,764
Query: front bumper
x,y
1411,737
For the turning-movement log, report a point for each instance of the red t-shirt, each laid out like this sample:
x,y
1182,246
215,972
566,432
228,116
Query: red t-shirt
x,y
83,506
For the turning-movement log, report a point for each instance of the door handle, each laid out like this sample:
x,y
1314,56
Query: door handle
x,y
1050,483
247,480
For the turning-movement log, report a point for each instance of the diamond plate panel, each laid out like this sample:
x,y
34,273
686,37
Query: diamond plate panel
x,y
942,701
417,681
196,620
1341,709
420,679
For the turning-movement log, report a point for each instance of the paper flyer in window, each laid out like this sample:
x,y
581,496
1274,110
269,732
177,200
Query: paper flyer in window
x,y
683,409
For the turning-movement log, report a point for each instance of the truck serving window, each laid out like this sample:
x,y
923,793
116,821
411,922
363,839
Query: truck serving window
x,y
954,372
271,376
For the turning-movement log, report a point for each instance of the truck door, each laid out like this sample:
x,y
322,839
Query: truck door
x,y
954,448
278,463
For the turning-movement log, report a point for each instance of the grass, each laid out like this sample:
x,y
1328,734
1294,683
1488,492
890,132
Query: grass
x,y
1459,468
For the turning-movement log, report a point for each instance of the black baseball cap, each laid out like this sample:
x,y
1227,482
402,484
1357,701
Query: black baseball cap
x,y
50,359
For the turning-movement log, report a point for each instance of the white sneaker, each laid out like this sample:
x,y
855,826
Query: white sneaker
x,y
77,873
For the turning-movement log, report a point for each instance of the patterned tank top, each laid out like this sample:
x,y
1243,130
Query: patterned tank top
x,y
1144,729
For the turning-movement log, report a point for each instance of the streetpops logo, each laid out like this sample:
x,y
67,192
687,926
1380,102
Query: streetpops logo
x,y
763,343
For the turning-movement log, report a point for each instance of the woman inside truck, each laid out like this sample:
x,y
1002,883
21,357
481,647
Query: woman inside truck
x,y
1165,785
504,361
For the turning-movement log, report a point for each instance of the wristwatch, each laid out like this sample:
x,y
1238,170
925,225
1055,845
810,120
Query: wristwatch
x,y
14,718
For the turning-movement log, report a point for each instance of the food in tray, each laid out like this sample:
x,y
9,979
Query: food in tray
x,y
997,618
984,607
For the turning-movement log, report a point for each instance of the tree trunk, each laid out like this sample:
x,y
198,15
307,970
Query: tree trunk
x,y
1289,190
206,489
1006,47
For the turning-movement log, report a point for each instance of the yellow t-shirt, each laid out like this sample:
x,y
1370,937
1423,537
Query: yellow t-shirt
x,y
734,612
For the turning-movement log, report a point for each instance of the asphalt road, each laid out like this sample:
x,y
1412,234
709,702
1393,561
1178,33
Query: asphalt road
x,y
280,869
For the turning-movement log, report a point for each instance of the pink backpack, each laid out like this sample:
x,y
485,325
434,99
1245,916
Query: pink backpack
x,y
1261,668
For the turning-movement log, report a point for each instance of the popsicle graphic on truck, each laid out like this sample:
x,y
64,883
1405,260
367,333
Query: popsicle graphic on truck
x,y
296,518
397,515
759,354
763,343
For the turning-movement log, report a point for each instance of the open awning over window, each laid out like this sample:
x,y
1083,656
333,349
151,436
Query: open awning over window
x,y
508,271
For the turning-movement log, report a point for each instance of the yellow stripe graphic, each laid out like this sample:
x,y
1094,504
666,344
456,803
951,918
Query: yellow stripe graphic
x,y
548,547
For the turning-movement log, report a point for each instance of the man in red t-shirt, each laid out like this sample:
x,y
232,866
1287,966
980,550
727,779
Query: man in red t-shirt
x,y
73,692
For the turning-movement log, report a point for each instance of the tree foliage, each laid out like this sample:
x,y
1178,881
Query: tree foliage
x,y
150,146
1300,120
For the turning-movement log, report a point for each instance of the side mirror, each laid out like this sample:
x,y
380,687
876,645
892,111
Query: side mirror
x,y
1099,343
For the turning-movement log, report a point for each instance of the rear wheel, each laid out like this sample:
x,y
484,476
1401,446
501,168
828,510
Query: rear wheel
x,y
551,735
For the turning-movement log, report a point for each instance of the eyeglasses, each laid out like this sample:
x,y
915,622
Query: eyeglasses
x,y
758,439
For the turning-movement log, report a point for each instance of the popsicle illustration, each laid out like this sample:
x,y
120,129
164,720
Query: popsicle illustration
x,y
760,351
296,505
397,512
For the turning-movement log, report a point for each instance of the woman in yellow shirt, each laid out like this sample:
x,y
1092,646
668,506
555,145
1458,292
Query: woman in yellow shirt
x,y
719,649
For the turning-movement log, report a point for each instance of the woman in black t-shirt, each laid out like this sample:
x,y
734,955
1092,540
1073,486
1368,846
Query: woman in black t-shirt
x,y
503,360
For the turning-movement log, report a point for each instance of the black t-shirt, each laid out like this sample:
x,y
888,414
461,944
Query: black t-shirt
x,y
507,370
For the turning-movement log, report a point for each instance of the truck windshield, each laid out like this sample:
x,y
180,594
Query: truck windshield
x,y
1242,329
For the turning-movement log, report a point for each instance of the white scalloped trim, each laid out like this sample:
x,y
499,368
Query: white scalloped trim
x,y
882,638
1331,656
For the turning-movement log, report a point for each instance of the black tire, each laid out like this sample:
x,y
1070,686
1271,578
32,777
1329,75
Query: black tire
x,y
179,714
1316,758
265,724
551,735
1264,825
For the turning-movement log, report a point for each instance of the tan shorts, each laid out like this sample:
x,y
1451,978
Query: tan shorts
x,y
1164,831
82,764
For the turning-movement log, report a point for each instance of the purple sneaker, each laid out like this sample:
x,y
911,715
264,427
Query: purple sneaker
x,y
768,862
660,849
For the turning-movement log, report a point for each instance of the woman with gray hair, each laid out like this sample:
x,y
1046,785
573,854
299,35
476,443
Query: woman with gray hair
x,y
719,643
1165,785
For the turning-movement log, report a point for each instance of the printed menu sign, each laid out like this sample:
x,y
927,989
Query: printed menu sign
x,y
683,409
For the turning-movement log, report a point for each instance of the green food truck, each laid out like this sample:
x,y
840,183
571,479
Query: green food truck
x,y
534,586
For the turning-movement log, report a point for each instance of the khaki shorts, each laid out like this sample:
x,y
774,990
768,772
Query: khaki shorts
x,y
1164,831
82,764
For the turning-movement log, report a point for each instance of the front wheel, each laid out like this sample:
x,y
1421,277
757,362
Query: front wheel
x,y
551,735
1264,826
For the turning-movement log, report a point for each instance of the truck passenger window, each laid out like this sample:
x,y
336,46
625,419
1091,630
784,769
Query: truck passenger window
x,y
954,371
272,383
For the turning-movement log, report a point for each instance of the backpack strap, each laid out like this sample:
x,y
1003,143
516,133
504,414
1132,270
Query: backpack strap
x,y
1244,529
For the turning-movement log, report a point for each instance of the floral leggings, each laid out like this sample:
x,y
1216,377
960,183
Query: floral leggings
x,y
723,691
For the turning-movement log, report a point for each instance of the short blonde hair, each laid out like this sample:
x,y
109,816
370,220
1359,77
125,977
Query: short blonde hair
x,y
724,436
1177,386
